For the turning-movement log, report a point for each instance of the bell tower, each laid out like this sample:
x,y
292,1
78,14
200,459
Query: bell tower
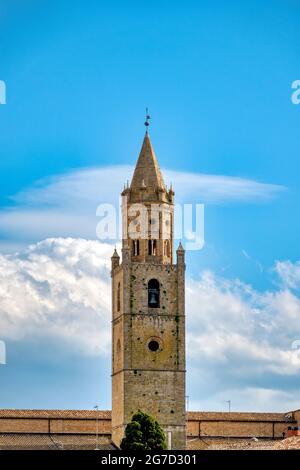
x,y
148,307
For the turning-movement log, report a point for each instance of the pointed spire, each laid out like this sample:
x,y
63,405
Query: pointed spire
x,y
115,254
115,260
147,171
180,247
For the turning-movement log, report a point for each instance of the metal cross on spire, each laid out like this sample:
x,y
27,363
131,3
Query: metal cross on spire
x,y
147,123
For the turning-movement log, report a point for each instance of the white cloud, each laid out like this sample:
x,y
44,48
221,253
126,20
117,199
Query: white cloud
x,y
99,184
250,332
58,288
220,188
289,273
65,205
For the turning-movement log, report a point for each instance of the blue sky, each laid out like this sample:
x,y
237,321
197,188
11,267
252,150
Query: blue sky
x,y
217,78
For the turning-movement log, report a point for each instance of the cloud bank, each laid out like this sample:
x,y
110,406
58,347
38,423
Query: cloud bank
x,y
239,340
58,288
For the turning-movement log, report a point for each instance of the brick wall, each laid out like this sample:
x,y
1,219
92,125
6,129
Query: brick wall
x,y
200,424
239,425
52,421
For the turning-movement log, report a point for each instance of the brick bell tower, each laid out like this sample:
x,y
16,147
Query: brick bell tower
x,y
148,307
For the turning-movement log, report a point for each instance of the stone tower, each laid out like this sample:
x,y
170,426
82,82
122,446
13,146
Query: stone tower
x,y
148,311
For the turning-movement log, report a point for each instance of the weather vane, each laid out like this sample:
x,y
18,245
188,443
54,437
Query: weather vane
x,y
147,123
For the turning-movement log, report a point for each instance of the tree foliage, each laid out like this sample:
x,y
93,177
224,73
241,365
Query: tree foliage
x,y
143,433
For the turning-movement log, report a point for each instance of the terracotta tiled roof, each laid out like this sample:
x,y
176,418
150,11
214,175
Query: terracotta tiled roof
x,y
230,444
106,414
79,414
235,416
290,443
52,442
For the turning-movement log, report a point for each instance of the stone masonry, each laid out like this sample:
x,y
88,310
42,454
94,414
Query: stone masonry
x,y
148,317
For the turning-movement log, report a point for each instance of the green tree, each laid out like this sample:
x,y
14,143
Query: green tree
x,y
143,433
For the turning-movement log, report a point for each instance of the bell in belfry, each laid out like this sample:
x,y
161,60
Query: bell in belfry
x,y
153,300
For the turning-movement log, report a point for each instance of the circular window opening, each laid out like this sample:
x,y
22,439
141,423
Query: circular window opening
x,y
153,345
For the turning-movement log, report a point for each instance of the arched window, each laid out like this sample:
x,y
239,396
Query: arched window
x,y
152,247
153,293
135,247
119,297
167,248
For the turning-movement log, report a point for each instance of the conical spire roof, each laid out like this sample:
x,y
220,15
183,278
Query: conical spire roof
x,y
115,254
147,173
180,247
